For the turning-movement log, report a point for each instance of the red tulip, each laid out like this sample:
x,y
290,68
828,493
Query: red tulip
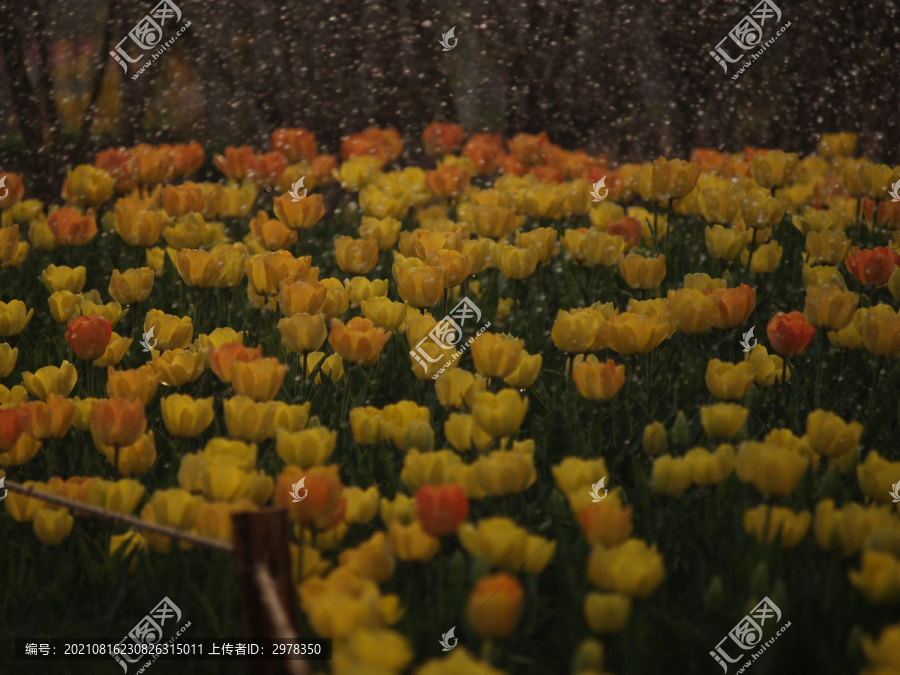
x,y
12,424
89,336
790,334
872,266
441,508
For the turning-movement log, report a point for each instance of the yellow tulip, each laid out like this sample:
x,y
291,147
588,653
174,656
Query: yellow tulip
x,y
302,332
134,459
631,333
496,356
53,526
384,313
259,379
723,420
642,273
171,332
729,381
708,468
64,278
766,523
876,477
654,440
827,248
671,476
500,414
667,179
13,317
411,543
115,351
186,417
173,507
761,211
177,367
383,230
878,578
606,612
771,469
502,473
307,448
773,169
8,358
526,373
632,569
725,243
51,380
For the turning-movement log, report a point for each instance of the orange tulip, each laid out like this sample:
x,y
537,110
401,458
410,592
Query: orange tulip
x,y
360,145
358,341
234,163
485,151
300,215
735,305
15,187
448,181
49,419
323,506
221,359
187,158
296,144
356,256
271,232
117,422
88,336
628,228
70,227
547,175
872,266
12,425
597,381
150,164
442,139
529,148
495,605
789,334
301,297
116,162
441,508
605,524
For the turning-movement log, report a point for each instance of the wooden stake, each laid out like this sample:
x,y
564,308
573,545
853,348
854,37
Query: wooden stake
x,y
264,576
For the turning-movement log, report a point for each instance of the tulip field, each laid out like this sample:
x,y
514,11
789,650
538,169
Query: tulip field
x,y
545,414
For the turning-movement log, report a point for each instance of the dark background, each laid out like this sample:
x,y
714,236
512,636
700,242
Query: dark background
x,y
632,80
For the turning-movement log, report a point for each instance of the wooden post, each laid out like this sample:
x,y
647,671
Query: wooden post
x,y
261,540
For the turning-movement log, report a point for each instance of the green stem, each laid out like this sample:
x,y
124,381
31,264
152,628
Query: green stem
x,y
752,248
